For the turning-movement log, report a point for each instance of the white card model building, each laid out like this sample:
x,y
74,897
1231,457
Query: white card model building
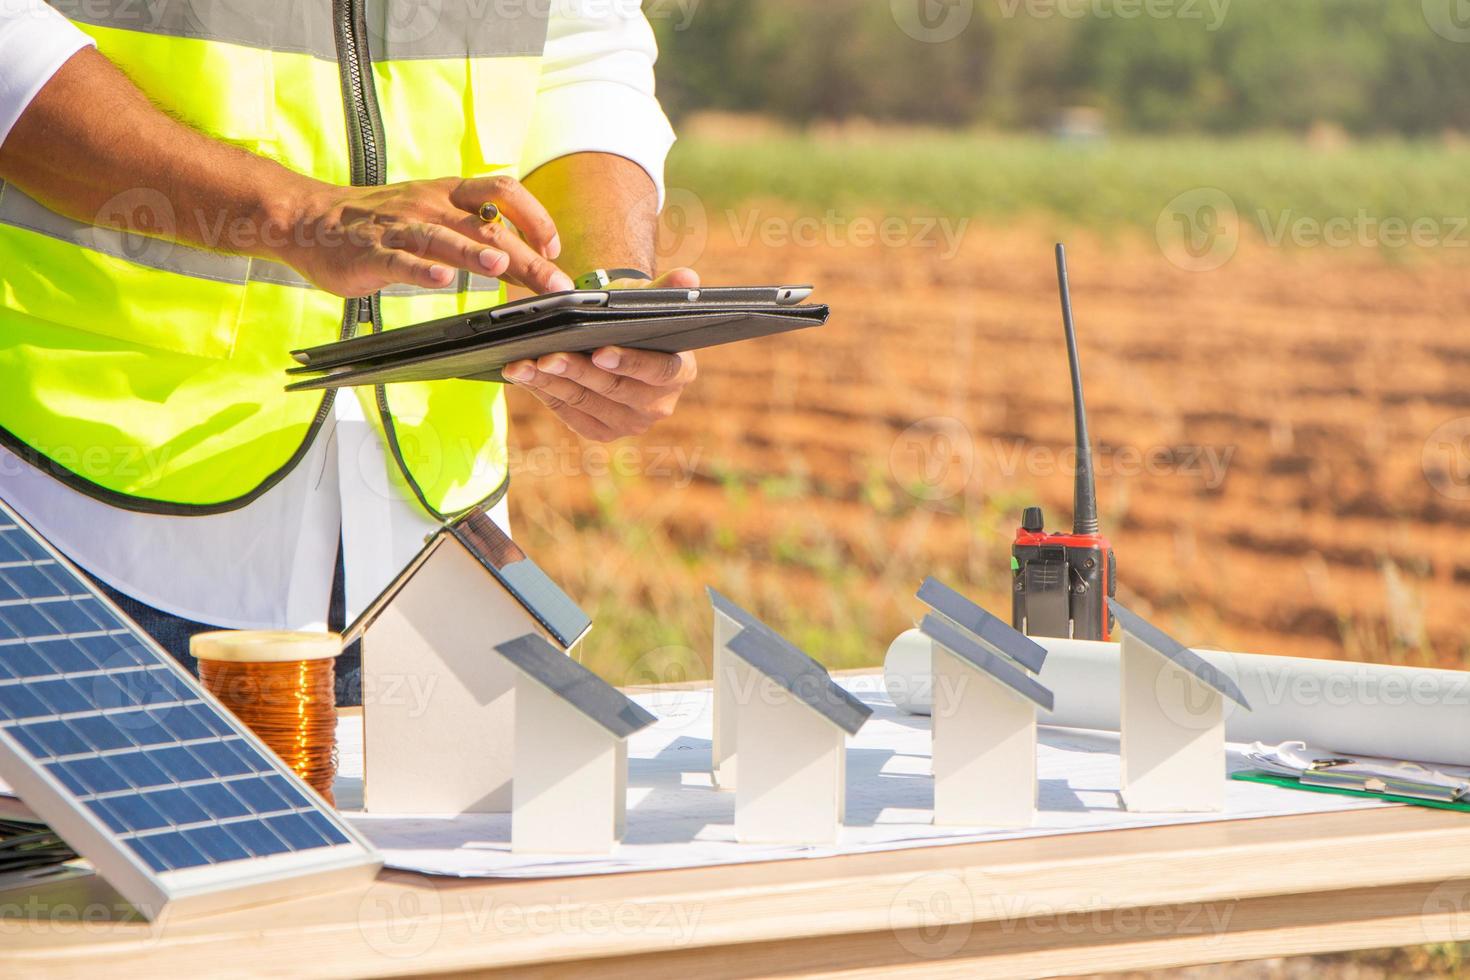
x,y
571,752
1172,721
438,703
984,718
791,738
729,679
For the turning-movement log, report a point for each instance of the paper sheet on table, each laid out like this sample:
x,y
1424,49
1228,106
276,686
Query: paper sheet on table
x,y
1315,765
677,820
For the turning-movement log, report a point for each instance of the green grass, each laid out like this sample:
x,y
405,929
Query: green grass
x,y
642,578
1118,183
641,573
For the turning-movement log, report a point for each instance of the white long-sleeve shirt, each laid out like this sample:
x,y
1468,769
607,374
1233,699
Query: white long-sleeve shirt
x,y
269,564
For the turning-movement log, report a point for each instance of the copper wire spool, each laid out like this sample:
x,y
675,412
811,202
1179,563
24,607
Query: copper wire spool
x,y
283,687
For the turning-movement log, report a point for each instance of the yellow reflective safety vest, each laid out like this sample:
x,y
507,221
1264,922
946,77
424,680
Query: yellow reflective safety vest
x,y
150,374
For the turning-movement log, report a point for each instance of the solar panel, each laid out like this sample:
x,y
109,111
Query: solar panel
x,y
979,623
476,532
802,677
939,629
139,769
602,703
1171,649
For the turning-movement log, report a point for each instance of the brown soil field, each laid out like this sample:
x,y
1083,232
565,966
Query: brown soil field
x,y
1280,468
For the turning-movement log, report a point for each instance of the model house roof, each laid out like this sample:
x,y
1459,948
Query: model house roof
x,y
801,676
994,633
730,609
1171,649
961,645
507,564
561,675
522,577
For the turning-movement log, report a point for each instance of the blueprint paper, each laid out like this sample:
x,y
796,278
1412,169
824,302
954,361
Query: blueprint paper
x,y
676,819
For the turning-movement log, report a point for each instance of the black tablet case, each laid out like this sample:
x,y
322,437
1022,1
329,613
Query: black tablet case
x,y
477,350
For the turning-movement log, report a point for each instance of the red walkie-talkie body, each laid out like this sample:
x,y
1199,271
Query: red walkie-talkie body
x,y
1060,582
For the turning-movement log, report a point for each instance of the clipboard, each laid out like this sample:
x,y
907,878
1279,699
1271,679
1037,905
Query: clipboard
x,y
476,346
1288,782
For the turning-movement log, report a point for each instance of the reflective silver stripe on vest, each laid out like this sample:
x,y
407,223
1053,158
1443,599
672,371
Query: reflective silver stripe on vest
x,y
22,211
397,29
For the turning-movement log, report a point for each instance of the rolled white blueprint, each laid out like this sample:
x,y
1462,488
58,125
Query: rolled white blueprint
x,y
1414,713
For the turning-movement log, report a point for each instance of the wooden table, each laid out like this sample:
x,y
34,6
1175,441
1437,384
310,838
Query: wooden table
x,y
1076,903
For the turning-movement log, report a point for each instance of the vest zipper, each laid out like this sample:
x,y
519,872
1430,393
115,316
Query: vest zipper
x,y
363,140
366,154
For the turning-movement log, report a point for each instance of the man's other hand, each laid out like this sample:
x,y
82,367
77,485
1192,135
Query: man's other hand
x,y
616,391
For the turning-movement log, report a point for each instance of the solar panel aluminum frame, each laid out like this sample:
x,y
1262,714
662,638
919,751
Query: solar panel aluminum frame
x,y
189,891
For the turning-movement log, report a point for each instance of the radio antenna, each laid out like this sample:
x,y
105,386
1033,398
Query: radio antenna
x,y
1084,496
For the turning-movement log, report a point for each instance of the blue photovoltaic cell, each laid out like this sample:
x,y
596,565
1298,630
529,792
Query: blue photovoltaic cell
x,y
294,830
219,759
63,655
325,827
114,823
215,842
286,791
61,696
30,743
102,734
168,851
24,661
256,838
218,801
185,725
258,796
23,621
180,763
99,708
175,804
57,738
96,773
17,702
31,582
139,770
133,812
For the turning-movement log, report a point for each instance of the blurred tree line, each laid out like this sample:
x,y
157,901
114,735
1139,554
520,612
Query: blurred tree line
x,y
1371,66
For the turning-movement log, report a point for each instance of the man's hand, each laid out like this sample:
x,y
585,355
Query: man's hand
x,y
90,136
353,241
615,392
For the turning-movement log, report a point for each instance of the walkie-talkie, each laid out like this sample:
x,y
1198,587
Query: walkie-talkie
x,y
1060,582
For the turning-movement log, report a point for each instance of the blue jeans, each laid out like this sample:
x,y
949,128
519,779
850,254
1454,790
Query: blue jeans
x,y
173,633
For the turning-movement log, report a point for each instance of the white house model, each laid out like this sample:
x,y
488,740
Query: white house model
x,y
791,738
984,723
438,702
730,678
1173,723
571,752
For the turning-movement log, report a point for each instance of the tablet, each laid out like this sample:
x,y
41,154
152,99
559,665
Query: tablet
x,y
524,314
477,345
